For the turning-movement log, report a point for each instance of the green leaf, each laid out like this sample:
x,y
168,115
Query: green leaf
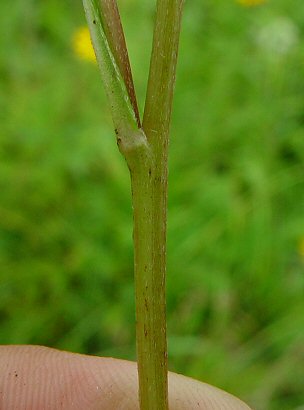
x,y
123,113
115,36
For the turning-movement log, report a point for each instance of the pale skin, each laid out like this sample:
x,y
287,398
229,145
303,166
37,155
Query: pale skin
x,y
40,378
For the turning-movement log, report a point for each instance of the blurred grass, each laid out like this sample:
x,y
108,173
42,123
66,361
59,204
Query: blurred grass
x,y
235,269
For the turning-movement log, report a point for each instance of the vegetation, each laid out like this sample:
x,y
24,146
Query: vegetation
x,y
235,233
144,145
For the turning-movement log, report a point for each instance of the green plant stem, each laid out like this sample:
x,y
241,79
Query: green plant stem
x,y
146,153
149,188
150,292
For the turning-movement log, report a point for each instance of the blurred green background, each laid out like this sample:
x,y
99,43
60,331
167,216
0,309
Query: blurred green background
x,y
236,195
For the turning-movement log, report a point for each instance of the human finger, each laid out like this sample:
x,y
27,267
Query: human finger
x,y
38,378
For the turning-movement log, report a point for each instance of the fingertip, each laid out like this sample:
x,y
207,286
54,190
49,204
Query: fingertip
x,y
187,393
49,378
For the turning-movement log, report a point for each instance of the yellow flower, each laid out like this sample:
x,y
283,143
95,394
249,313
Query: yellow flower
x,y
82,45
250,3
